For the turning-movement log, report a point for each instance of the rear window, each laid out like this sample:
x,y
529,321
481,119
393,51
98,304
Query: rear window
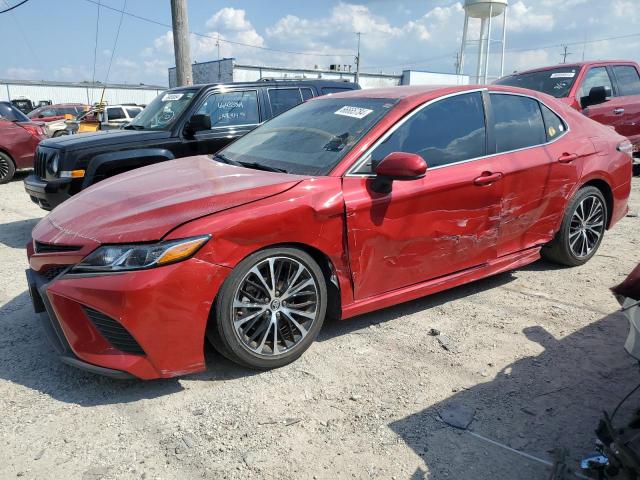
x,y
628,80
556,82
12,114
132,112
330,90
282,99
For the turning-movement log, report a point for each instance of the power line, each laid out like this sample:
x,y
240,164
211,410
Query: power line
x,y
15,6
24,35
204,35
115,42
95,49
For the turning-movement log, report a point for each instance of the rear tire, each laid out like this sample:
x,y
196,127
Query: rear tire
x,y
7,168
59,133
582,229
263,324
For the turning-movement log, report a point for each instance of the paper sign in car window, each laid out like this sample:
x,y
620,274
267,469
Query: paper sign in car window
x,y
171,97
355,112
563,75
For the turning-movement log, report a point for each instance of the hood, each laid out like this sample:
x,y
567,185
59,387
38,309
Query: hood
x,y
105,138
146,203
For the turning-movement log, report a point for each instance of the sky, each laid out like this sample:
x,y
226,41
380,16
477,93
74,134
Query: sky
x,y
56,39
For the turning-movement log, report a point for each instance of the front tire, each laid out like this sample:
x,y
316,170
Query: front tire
x,y
582,229
270,308
7,168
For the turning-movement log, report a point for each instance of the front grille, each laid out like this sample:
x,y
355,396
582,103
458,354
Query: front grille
x,y
115,333
52,271
41,247
41,159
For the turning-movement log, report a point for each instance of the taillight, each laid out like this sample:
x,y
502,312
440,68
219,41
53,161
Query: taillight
x,y
35,130
626,147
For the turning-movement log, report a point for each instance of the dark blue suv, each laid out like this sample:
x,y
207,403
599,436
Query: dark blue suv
x,y
180,122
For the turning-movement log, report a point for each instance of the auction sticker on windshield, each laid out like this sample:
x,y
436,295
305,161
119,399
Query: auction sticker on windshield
x,y
355,112
563,75
170,97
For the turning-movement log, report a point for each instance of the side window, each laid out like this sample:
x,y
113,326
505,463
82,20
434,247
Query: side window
x,y
282,99
447,131
554,125
518,122
330,90
133,112
307,93
628,80
595,77
231,108
115,113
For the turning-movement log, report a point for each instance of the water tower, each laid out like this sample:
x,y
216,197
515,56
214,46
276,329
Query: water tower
x,y
485,11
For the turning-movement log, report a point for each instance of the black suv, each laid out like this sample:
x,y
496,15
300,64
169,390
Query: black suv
x,y
180,122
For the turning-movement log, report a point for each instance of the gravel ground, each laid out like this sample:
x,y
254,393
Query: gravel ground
x,y
534,354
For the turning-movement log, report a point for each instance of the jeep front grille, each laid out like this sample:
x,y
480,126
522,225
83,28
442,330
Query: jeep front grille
x,y
41,159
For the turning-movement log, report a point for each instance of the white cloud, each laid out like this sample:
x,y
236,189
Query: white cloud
x,y
521,17
71,73
21,73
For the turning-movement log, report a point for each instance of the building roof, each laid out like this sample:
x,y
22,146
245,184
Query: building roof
x,y
85,84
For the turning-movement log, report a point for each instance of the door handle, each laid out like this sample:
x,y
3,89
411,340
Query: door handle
x,y
567,157
487,178
618,111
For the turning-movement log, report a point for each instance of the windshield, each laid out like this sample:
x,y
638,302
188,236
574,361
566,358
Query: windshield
x,y
163,110
554,81
309,139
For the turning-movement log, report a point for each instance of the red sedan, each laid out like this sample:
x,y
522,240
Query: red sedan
x,y
343,205
19,138
51,113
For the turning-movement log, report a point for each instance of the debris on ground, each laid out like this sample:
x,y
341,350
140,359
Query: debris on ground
x,y
457,416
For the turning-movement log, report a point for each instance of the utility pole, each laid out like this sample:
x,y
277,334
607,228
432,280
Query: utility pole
x,y
180,21
359,34
565,53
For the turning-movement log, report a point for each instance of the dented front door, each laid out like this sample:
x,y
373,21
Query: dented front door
x,y
423,229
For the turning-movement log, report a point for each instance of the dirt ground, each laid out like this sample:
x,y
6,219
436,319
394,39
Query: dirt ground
x,y
536,355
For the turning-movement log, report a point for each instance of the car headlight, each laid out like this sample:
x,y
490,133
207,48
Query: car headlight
x,y
54,164
117,258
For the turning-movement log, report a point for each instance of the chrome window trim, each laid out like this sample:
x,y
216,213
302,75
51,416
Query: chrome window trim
x,y
361,160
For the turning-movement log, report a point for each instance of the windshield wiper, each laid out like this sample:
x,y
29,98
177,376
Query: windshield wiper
x,y
224,159
260,166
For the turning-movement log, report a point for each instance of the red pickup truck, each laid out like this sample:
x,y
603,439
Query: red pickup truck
x,y
606,91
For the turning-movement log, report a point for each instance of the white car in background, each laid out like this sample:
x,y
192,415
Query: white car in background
x,y
113,117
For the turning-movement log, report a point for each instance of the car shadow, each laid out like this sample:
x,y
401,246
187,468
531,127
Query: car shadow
x,y
534,405
17,234
336,327
27,359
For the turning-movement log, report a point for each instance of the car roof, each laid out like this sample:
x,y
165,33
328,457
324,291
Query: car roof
x,y
415,94
276,83
574,65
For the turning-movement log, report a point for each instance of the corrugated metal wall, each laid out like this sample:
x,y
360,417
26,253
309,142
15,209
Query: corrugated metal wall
x,y
79,94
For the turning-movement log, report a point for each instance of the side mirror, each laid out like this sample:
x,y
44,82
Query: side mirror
x,y
197,123
597,95
400,166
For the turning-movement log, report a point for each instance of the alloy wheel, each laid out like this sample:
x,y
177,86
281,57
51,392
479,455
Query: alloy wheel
x,y
4,167
587,226
275,306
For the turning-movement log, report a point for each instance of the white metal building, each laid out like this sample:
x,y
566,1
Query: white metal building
x,y
77,92
227,70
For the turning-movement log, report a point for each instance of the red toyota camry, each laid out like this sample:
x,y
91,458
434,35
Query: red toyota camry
x,y
343,205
